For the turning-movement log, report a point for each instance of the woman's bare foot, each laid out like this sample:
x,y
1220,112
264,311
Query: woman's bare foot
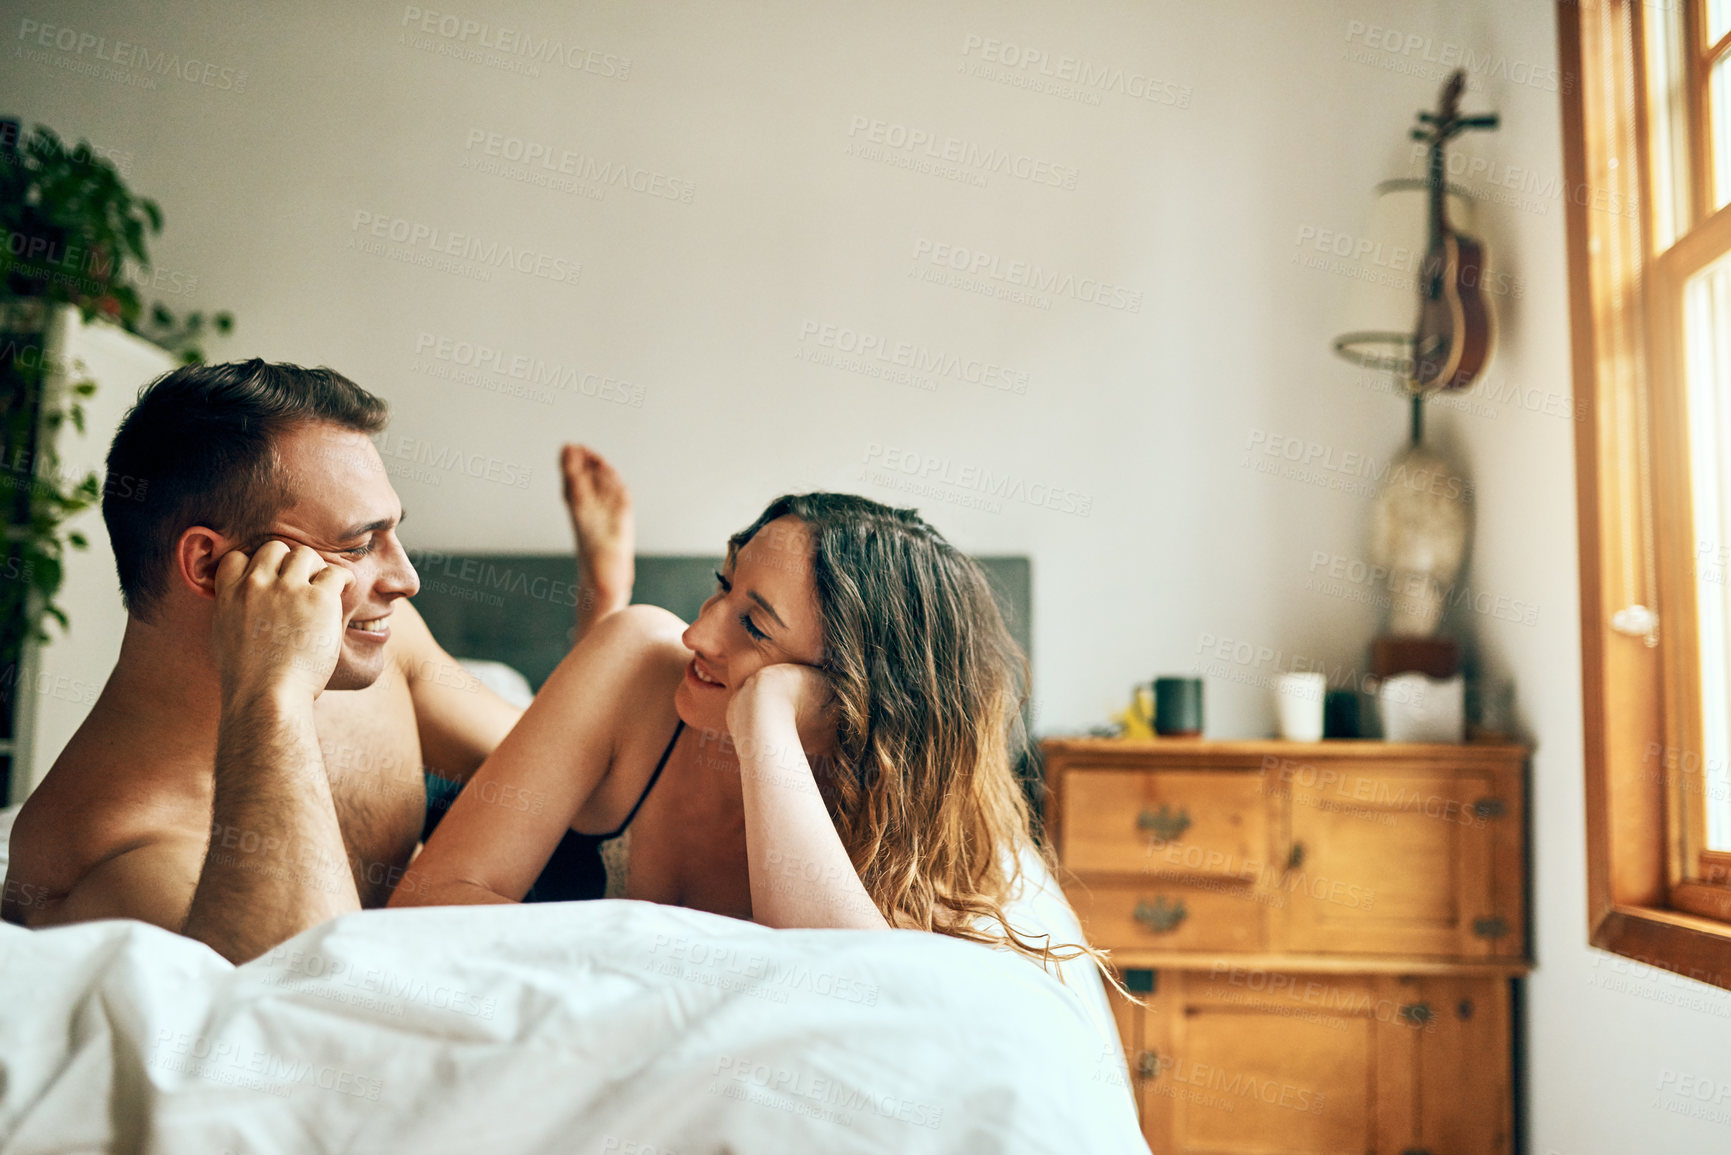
x,y
601,517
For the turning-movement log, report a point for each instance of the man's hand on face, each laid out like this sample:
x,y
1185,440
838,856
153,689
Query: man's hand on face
x,y
279,621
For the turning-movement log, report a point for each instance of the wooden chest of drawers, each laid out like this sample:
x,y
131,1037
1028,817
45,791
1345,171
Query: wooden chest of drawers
x,y
1324,935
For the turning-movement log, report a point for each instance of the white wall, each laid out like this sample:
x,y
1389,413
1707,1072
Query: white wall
x,y
1269,125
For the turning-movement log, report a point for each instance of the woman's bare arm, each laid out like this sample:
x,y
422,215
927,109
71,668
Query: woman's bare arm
x,y
508,820
801,875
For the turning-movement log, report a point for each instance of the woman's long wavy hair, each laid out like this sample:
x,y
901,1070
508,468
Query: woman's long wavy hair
x,y
929,688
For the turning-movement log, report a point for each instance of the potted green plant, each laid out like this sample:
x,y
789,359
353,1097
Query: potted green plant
x,y
74,235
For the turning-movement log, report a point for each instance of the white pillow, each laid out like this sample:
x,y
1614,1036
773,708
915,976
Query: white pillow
x,y
1039,907
505,681
6,819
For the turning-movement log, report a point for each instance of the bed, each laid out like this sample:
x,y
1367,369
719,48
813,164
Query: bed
x,y
609,1026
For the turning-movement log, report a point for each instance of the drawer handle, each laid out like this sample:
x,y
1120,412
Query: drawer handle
x,y
1147,1065
1418,1014
1161,916
1162,823
1295,857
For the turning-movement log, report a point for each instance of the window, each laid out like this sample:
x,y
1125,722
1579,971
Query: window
x,y
1647,139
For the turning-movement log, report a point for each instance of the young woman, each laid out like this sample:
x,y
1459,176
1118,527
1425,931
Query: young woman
x,y
828,745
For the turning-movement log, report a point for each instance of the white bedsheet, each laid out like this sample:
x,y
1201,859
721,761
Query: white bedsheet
x,y
620,1027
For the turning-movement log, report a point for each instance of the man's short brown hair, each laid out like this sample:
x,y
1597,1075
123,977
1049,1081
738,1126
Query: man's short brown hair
x,y
198,449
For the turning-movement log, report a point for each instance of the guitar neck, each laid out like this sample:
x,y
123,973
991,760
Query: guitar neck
x,y
1438,193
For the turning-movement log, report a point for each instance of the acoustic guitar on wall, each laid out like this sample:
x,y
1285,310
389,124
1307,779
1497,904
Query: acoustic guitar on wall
x,y
1452,338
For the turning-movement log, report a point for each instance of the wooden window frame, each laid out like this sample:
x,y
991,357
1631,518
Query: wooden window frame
x,y
1697,877
1699,59
1652,892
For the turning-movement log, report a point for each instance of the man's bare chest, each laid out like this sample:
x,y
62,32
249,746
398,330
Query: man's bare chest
x,y
372,758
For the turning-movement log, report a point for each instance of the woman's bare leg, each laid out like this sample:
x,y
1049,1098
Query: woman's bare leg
x,y
601,518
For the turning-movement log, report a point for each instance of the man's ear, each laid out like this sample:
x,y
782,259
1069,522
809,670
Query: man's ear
x,y
196,555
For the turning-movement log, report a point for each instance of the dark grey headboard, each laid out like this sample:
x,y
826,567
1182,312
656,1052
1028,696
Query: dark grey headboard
x,y
521,608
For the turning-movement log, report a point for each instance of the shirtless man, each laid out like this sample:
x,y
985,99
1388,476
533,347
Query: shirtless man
x,y
253,765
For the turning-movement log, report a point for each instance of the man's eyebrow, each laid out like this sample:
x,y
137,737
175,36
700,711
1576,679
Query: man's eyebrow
x,y
769,609
374,526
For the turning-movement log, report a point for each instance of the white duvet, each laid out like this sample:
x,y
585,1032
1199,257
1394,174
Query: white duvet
x,y
607,1027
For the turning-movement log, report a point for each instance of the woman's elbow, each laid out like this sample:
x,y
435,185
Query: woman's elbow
x,y
420,889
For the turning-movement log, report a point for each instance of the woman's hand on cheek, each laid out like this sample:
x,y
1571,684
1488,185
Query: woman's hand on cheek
x,y
789,692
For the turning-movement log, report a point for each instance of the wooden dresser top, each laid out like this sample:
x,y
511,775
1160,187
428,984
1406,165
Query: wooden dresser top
x,y
1204,750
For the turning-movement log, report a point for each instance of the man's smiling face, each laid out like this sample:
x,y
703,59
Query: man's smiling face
x,y
341,504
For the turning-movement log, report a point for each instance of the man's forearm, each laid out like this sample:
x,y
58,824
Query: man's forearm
x,y
276,862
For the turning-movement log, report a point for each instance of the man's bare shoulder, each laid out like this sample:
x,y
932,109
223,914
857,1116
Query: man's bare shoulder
x,y
416,657
107,794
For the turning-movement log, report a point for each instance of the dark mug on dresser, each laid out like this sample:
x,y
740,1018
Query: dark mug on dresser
x,y
1178,707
